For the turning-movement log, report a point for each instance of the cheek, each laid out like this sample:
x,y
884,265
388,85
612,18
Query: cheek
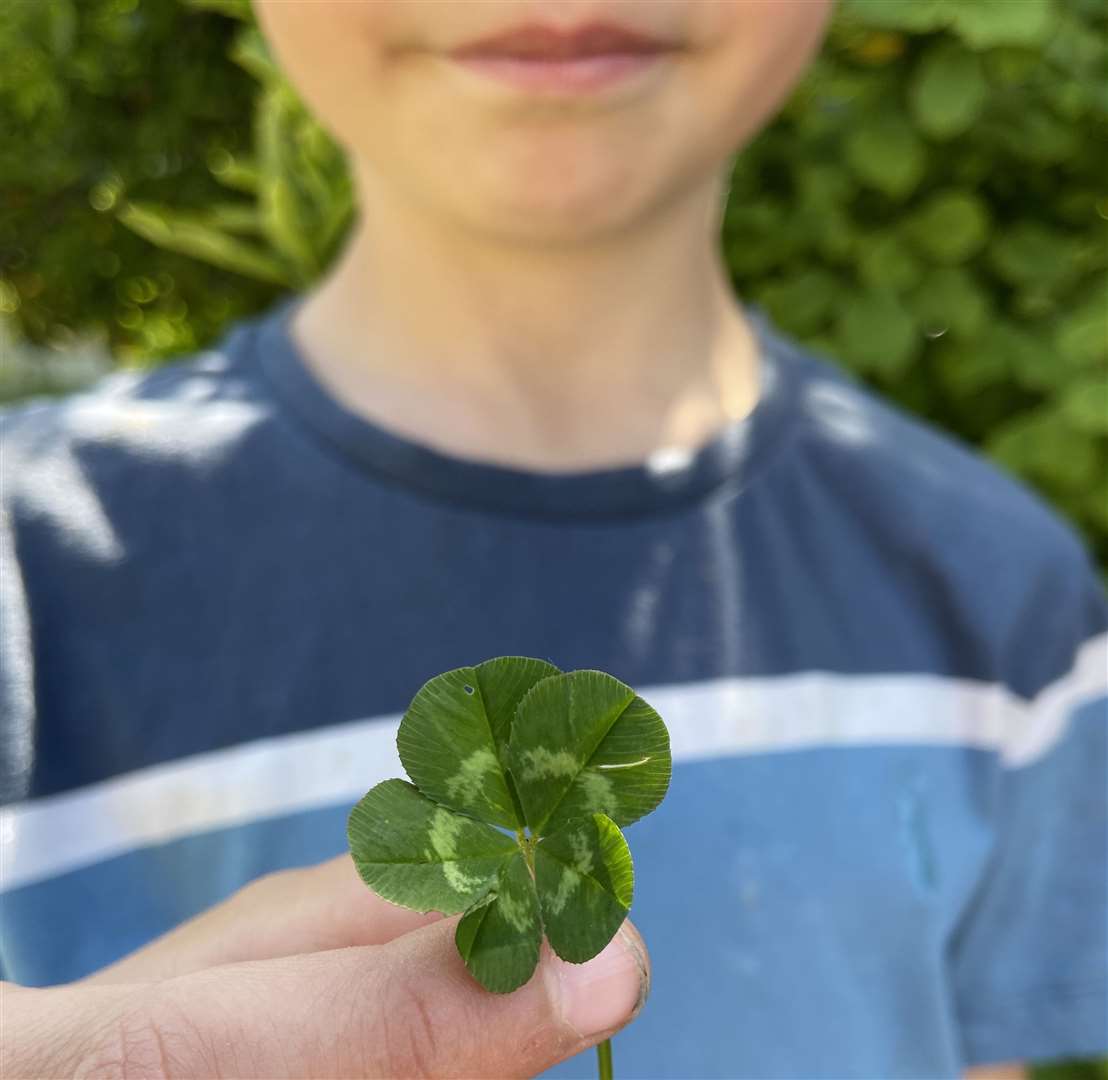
x,y
755,54
332,52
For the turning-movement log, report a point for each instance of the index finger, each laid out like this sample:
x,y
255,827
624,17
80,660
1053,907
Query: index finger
x,y
286,913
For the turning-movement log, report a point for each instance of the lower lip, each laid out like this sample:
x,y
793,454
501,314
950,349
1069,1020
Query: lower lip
x,y
578,75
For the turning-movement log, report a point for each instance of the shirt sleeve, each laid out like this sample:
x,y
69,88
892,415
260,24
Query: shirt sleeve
x,y
17,705
1029,958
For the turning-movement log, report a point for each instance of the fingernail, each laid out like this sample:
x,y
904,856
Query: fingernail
x,y
609,989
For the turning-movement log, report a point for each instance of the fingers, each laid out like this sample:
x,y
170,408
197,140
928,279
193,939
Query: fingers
x,y
326,906
306,910
405,1009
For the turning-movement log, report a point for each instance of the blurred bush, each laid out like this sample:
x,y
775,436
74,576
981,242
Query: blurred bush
x,y
930,208
106,101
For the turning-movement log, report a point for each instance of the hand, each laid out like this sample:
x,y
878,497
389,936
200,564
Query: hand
x,y
308,973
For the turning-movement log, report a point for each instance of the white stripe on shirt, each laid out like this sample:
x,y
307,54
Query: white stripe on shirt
x,y
719,718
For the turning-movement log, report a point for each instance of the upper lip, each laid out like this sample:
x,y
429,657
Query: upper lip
x,y
540,41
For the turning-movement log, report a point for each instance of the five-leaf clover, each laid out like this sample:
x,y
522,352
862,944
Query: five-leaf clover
x,y
521,776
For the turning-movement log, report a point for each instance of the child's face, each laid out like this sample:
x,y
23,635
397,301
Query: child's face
x,y
518,163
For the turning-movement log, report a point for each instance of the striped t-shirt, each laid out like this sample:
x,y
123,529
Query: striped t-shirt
x,y
881,662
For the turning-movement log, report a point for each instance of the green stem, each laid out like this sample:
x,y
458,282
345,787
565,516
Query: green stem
x,y
604,1059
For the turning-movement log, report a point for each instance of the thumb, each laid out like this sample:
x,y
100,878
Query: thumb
x,y
408,1008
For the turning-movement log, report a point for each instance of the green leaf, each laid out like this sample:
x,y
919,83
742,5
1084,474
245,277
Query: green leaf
x,y
234,217
968,367
61,23
1041,138
950,227
948,91
582,750
585,743
240,174
451,737
416,853
1044,447
504,682
915,15
500,936
1085,405
888,263
885,153
585,882
950,299
235,9
984,24
252,54
1030,253
191,234
1081,335
1030,361
876,332
801,302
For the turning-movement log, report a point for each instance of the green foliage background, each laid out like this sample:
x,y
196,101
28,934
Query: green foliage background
x,y
931,209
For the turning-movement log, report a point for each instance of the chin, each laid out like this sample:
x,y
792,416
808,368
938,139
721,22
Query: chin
x,y
558,203
556,221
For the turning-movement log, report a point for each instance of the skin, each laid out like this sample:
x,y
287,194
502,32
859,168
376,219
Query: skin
x,y
521,263
307,973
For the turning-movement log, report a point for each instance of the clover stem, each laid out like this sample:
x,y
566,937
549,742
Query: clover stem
x,y
604,1059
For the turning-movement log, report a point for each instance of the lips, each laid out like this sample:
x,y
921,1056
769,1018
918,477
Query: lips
x,y
535,41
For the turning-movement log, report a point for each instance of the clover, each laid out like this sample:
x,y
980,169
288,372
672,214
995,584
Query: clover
x,y
521,776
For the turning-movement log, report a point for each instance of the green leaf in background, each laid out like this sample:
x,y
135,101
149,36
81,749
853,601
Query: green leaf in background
x,y
1032,254
807,298
1043,443
885,153
1085,405
915,15
948,90
509,740
950,227
877,333
981,24
233,217
451,738
949,298
235,9
585,743
966,368
500,936
1081,335
193,234
985,24
887,262
238,173
414,852
585,882
285,211
252,54
1028,359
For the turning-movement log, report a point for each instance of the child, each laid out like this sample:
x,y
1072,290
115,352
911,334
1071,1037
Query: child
x,y
525,414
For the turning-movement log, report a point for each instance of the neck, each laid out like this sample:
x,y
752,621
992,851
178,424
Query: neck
x,y
550,356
